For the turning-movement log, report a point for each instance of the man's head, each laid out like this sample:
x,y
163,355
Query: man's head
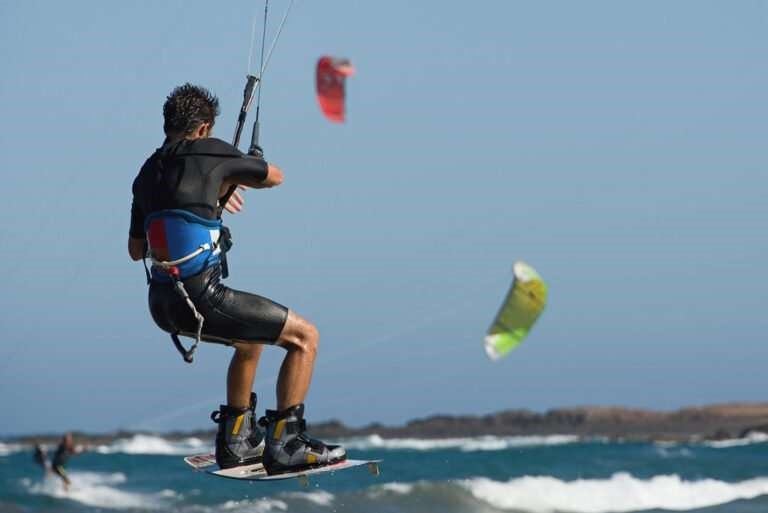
x,y
190,112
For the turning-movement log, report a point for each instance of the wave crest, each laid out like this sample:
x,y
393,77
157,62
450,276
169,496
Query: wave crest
x,y
468,444
8,449
148,444
620,493
97,490
755,437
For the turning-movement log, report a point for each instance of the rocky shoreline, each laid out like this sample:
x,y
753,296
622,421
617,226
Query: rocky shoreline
x,y
713,422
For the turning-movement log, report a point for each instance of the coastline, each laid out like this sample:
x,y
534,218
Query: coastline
x,y
711,422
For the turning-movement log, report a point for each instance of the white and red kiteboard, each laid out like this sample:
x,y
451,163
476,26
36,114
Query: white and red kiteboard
x,y
256,472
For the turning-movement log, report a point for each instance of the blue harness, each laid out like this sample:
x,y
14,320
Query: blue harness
x,y
181,244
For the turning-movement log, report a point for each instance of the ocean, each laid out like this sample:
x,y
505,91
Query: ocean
x,y
480,475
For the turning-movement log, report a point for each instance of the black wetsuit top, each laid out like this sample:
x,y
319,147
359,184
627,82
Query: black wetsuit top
x,y
40,456
61,456
188,175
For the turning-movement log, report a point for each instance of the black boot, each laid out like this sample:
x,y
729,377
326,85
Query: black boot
x,y
289,449
239,440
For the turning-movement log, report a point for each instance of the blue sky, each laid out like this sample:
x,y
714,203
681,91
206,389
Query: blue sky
x,y
617,147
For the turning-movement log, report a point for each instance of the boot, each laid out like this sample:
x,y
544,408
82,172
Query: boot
x,y
289,449
239,440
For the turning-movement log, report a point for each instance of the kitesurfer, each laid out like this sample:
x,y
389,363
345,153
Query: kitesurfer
x,y
64,451
41,457
175,220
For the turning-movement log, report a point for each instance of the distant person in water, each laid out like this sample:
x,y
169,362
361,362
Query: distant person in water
x,y
41,458
63,452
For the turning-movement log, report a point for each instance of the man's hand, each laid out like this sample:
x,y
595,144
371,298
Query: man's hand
x,y
236,201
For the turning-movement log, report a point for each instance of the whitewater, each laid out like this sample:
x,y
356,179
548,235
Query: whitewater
x,y
548,474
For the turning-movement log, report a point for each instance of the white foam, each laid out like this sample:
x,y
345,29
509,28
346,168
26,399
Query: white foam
x,y
96,489
148,444
393,488
258,506
618,494
755,437
319,497
8,449
468,444
671,451
398,488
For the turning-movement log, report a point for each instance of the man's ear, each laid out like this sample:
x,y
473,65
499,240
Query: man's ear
x,y
202,130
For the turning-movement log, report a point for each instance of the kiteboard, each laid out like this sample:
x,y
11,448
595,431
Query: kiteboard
x,y
257,472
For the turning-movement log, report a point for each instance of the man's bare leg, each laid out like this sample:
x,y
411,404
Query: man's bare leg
x,y
300,338
287,445
242,369
238,441
59,471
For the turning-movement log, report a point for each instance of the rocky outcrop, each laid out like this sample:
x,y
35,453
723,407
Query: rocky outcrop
x,y
715,422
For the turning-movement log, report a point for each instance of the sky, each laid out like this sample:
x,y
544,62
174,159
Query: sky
x,y
618,147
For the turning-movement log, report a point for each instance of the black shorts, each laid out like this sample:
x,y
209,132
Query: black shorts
x,y
229,314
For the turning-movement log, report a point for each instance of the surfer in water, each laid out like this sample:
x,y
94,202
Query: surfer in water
x,y
63,452
176,222
41,458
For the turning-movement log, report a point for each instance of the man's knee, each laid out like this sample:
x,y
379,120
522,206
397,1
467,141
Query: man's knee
x,y
309,336
300,334
312,334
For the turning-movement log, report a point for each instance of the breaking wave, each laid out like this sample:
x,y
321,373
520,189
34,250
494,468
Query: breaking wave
x,y
250,506
482,443
755,437
148,444
8,449
319,497
98,490
618,494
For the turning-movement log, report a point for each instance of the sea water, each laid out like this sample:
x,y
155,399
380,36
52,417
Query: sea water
x,y
480,475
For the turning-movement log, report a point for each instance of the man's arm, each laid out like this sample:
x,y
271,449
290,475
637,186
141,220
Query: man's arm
x,y
274,177
136,248
136,237
255,177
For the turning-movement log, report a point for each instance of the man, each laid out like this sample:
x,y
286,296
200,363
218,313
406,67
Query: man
x,y
63,452
41,458
176,213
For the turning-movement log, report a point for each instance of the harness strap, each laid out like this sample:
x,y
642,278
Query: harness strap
x,y
187,355
172,268
146,269
173,263
179,286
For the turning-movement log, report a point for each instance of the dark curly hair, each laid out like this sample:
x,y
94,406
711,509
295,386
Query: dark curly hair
x,y
187,107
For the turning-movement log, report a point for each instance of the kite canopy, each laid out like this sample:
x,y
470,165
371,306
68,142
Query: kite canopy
x,y
331,77
522,306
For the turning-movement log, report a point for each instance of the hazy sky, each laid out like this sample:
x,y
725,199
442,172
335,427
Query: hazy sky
x,y
618,147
